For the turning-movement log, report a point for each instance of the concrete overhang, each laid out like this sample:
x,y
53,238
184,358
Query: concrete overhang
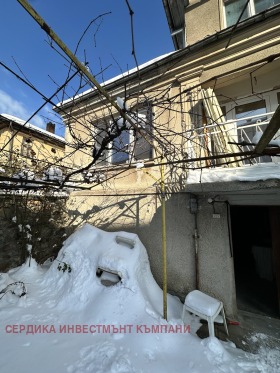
x,y
257,184
246,193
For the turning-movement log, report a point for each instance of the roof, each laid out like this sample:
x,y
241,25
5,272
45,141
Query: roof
x,y
174,57
114,79
31,127
175,14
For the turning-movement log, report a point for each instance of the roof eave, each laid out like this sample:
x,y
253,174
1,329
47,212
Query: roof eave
x,y
175,15
218,36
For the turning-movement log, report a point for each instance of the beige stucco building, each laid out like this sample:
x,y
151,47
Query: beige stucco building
x,y
220,86
28,147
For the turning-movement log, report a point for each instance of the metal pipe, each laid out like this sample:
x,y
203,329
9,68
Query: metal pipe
x,y
196,246
164,261
194,210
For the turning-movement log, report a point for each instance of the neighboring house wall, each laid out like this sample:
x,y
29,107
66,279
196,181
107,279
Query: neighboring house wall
x,y
28,218
27,147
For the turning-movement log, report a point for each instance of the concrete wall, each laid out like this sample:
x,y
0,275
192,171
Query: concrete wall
x,y
202,18
142,215
216,266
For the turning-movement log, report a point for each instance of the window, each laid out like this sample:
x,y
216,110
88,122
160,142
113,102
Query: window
x,y
121,148
131,144
26,147
233,9
249,127
261,5
249,110
101,132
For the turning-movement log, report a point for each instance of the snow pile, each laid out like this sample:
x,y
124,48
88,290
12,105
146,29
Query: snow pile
x,y
53,173
89,251
98,309
261,171
25,174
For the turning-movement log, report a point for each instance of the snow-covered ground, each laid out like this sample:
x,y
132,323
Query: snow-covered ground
x,y
69,321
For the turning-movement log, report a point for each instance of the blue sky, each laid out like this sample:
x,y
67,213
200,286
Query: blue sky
x,y
23,43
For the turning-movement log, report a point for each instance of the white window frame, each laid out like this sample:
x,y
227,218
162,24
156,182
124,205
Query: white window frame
x,y
139,117
131,155
225,15
271,104
251,10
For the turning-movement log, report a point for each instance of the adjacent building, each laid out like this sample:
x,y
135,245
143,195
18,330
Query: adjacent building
x,y
25,147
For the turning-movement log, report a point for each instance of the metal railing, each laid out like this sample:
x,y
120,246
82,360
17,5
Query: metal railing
x,y
237,131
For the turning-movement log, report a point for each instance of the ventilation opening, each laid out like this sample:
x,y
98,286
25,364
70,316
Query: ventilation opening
x,y
124,241
108,277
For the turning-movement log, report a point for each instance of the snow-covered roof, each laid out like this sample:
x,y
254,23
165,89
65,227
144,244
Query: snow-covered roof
x,y
116,78
31,127
260,171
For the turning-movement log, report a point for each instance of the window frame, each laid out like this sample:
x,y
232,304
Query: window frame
x,y
251,11
268,98
132,157
26,147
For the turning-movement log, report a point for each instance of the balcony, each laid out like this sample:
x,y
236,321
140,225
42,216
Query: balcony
x,y
246,131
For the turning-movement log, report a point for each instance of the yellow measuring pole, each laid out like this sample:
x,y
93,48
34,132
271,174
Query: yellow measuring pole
x,y
163,223
163,230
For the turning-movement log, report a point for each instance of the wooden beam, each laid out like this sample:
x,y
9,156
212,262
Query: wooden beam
x,y
269,132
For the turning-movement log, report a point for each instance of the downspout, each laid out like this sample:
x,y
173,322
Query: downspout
x,y
11,144
194,211
196,237
164,261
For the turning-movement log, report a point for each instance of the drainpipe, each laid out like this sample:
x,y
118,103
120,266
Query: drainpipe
x,y
194,210
164,261
11,148
196,237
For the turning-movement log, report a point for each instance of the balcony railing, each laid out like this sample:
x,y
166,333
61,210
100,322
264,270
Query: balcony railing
x,y
236,130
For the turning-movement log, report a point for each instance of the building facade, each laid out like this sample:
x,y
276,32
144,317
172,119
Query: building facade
x,y
27,148
189,111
